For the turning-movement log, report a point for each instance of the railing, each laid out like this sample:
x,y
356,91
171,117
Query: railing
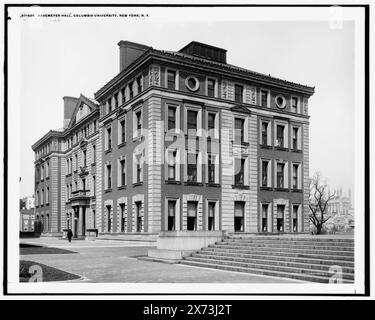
x,y
80,193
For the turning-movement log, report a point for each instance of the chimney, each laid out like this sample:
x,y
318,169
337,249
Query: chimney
x,y
69,106
129,52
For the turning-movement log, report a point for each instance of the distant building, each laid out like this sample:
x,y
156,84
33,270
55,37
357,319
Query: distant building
x,y
341,211
27,219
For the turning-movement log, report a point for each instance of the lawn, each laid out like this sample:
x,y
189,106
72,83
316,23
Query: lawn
x,y
47,274
26,249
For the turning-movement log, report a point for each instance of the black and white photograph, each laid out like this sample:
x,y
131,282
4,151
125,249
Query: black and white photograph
x,y
186,149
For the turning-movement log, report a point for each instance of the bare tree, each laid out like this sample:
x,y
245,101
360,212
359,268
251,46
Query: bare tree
x,y
318,201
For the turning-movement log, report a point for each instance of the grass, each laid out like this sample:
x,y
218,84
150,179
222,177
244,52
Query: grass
x,y
48,273
26,249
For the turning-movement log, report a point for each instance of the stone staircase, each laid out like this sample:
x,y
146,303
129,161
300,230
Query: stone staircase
x,y
305,258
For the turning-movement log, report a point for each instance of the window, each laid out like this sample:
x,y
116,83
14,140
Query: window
x,y
84,157
211,168
294,104
138,122
280,218
171,79
83,183
295,217
213,124
211,84
295,140
76,161
171,214
109,219
47,195
280,135
295,176
239,130
42,173
172,155
280,175
42,197
265,217
109,176
93,186
121,131
192,123
192,215
264,98
192,167
131,90
139,85
265,173
138,208
123,95
122,172
265,133
123,217
238,93
239,171
239,213
93,153
139,169
172,117
67,192
109,138
211,216
47,169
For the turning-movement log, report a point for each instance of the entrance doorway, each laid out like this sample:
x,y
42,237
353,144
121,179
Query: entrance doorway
x,y
192,215
239,214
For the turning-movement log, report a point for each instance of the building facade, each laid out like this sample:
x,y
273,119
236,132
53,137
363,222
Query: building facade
x,y
178,141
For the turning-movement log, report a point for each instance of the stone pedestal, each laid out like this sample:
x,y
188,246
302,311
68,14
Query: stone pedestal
x,y
174,245
91,234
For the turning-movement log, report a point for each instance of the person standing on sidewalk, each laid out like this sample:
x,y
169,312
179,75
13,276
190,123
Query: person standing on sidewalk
x,y
70,235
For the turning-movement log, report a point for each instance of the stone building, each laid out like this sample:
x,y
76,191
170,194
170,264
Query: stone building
x,y
341,212
178,141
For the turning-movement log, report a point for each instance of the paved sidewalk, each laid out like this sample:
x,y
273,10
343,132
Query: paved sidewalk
x,y
116,261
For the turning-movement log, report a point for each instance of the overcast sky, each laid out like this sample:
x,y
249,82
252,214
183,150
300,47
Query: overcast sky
x,y
79,55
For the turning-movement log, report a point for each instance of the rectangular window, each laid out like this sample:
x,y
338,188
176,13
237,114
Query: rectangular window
x,y
192,120
139,168
93,186
123,218
239,130
123,95
239,213
265,174
83,183
295,138
171,79
76,161
265,133
109,176
280,135
84,157
122,131
192,215
138,116
264,98
122,172
131,90
109,219
109,138
172,118
139,220
295,217
238,93
139,85
211,168
171,214
239,174
294,104
172,156
295,176
212,124
93,153
211,216
211,87
192,167
280,218
264,217
280,175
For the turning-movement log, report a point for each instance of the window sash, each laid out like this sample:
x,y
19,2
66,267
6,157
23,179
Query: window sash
x,y
264,173
211,88
172,111
192,207
192,120
171,79
239,171
238,93
239,130
280,135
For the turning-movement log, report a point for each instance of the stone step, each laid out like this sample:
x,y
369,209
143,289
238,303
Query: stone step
x,y
261,271
318,259
284,246
266,261
275,269
288,238
294,242
286,250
